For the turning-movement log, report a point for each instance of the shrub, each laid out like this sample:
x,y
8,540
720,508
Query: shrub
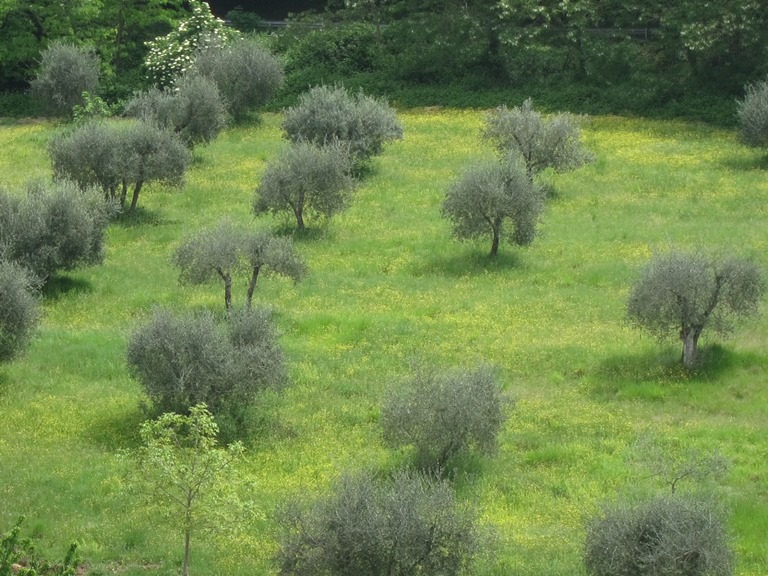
x,y
407,525
306,178
668,536
18,309
324,115
246,74
54,227
490,193
188,359
194,109
443,416
20,555
753,115
172,55
681,293
543,143
66,71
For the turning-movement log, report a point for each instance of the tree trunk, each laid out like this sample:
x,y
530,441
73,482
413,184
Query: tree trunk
x,y
135,199
299,218
252,286
495,244
123,194
185,565
690,340
227,277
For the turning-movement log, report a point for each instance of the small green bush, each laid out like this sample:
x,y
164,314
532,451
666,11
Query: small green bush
x,y
66,71
18,309
188,359
54,227
753,115
306,178
324,115
670,535
407,525
246,74
19,555
443,416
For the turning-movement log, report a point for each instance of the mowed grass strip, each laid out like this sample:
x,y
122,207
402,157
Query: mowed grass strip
x,y
389,289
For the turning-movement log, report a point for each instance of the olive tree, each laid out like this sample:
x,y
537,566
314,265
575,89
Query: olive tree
x,y
408,524
225,250
444,415
682,293
18,309
670,535
186,359
306,178
53,227
542,142
753,115
328,114
181,467
119,158
245,72
488,197
66,71
193,108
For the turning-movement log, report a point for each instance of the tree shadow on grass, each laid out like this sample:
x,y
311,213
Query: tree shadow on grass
x,y
117,432
466,263
59,286
745,163
655,374
140,216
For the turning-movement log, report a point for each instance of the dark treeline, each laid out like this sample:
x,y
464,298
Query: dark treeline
x,y
684,57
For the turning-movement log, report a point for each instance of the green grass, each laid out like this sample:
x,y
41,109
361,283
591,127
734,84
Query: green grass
x,y
388,288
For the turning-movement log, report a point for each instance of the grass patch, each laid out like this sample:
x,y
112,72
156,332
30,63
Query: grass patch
x,y
388,288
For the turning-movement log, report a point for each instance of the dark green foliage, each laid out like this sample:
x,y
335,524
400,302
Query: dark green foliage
x,y
487,195
226,250
542,142
66,71
306,178
409,524
443,416
18,310
246,74
670,535
753,115
119,158
324,115
194,109
188,359
681,293
243,20
18,555
53,227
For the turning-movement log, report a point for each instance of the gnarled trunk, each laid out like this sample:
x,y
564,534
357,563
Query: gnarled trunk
x,y
690,338
252,286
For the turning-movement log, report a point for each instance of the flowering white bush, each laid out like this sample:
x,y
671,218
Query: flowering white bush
x,y
171,55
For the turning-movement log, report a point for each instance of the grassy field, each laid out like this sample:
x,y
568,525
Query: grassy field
x,y
388,289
